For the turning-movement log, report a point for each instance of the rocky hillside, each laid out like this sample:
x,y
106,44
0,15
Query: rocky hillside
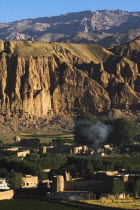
x,y
46,79
105,27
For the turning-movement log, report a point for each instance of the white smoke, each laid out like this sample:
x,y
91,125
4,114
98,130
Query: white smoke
x,y
97,133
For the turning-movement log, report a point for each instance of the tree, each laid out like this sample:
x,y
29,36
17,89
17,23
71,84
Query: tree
x,y
58,142
136,187
89,167
3,173
32,157
118,187
1,142
42,176
32,143
123,133
15,180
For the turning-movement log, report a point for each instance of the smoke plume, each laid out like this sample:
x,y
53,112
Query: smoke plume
x,y
96,133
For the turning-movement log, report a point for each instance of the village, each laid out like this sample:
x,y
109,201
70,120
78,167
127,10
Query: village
x,y
62,183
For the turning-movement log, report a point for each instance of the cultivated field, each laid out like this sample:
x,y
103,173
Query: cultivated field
x,y
44,137
120,203
47,137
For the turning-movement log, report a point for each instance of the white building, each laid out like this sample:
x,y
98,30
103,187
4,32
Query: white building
x,y
4,184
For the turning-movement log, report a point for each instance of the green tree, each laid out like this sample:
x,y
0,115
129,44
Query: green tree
x,y
42,176
89,167
136,187
118,187
15,180
32,143
32,157
124,132
1,142
58,142
3,173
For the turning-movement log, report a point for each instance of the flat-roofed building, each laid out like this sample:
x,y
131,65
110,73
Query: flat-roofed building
x,y
13,149
30,181
23,153
80,149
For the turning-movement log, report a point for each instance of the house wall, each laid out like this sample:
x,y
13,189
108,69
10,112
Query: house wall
x,y
43,150
60,183
23,153
109,173
30,182
77,150
12,149
80,185
6,195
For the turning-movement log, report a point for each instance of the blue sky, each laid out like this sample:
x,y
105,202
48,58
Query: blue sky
x,y
12,10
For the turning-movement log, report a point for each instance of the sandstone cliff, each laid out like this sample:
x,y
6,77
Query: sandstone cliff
x,y
42,79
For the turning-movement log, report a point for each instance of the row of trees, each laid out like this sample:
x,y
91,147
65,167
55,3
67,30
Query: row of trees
x,y
119,187
85,166
30,143
32,164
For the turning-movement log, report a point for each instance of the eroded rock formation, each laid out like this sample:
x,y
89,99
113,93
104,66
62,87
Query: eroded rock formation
x,y
41,79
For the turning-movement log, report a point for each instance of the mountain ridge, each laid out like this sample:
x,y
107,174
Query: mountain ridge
x,y
104,27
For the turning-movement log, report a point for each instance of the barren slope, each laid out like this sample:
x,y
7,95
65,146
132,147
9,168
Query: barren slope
x,y
104,27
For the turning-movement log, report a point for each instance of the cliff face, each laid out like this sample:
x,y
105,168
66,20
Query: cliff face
x,y
41,79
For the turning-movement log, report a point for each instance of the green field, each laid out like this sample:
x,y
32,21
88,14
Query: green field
x,y
45,138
